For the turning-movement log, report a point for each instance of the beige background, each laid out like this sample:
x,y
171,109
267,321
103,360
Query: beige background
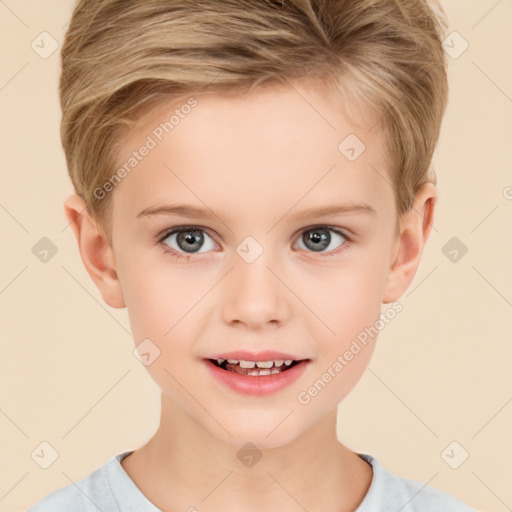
x,y
441,371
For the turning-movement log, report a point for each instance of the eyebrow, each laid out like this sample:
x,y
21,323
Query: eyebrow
x,y
186,210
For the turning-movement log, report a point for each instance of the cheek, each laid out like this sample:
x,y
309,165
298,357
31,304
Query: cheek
x,y
344,354
157,300
162,308
350,298
349,305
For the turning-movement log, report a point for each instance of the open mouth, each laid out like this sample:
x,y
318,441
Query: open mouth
x,y
255,368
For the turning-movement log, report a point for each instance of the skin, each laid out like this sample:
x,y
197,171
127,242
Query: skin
x,y
256,161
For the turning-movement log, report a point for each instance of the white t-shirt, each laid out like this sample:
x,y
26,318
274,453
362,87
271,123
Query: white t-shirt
x,y
110,489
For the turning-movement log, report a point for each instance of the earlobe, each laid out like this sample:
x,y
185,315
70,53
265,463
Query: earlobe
x,y
97,255
415,226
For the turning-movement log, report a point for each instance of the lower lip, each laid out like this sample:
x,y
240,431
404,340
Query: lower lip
x,y
255,385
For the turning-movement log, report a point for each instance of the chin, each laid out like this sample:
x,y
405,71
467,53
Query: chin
x,y
271,432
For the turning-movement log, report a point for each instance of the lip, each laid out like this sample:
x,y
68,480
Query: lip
x,y
265,355
254,385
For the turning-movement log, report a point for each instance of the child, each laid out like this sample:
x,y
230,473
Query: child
x,y
291,141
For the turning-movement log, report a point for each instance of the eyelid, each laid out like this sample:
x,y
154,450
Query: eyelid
x,y
346,233
177,229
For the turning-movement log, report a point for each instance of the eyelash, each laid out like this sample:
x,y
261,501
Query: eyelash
x,y
180,256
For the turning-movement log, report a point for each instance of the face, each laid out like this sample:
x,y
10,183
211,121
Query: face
x,y
262,268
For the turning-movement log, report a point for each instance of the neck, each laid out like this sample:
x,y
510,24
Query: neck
x,y
184,466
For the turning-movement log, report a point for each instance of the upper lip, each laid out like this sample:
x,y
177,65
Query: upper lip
x,y
265,355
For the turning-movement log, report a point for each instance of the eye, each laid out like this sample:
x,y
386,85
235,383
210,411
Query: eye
x,y
318,239
187,239
184,241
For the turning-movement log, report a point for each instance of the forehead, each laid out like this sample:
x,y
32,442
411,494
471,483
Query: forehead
x,y
275,145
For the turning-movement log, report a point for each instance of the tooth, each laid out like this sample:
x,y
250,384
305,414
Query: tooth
x,y
275,370
233,361
264,372
278,362
247,364
288,362
265,364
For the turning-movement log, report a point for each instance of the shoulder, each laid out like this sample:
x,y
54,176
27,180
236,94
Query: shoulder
x,y
89,494
388,491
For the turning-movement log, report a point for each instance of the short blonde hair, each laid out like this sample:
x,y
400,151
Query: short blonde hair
x,y
122,57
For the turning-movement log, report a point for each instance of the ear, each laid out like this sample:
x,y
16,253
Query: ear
x,y
96,253
415,226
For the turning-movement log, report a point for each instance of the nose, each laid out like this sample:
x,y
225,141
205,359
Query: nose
x,y
254,295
